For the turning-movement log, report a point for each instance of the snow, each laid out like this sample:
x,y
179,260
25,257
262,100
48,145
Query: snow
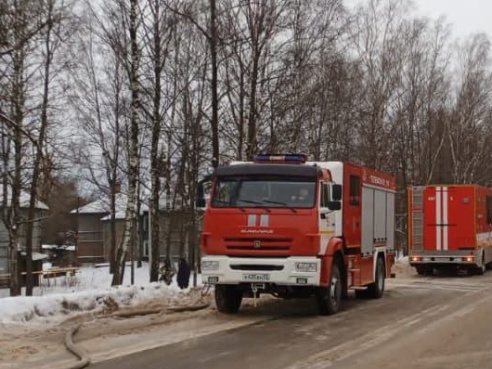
x,y
86,292
58,247
24,200
401,258
118,215
36,255
103,205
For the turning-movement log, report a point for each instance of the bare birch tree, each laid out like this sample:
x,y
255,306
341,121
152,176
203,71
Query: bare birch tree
x,y
469,128
159,39
133,157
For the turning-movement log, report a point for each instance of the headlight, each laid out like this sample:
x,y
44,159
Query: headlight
x,y
209,265
306,267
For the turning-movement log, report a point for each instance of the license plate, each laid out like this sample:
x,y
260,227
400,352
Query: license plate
x,y
250,277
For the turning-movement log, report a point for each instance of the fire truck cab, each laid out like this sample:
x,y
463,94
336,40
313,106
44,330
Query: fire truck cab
x,y
292,228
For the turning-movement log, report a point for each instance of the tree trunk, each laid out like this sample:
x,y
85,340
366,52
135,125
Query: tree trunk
x,y
154,151
215,98
39,153
133,149
18,100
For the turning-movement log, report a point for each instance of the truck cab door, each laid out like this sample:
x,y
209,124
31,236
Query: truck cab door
x,y
326,217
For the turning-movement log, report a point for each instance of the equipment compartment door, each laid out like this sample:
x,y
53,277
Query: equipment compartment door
x,y
449,218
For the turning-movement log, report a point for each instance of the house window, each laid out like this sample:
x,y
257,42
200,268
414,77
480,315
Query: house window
x,y
354,191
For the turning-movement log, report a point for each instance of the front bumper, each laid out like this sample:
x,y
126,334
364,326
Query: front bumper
x,y
278,271
445,257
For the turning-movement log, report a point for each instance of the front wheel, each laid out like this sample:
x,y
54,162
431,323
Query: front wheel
x,y
228,298
329,298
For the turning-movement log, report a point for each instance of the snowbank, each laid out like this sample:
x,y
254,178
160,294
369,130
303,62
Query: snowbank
x,y
22,309
88,291
401,258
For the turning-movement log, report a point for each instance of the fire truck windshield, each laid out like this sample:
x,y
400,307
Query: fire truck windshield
x,y
277,192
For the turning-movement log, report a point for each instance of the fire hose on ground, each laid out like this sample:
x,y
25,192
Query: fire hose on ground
x,y
81,354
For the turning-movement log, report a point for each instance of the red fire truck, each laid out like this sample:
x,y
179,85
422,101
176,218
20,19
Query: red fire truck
x,y
292,228
450,226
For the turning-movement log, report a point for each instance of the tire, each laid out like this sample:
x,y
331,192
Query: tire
x,y
376,290
483,268
329,298
423,270
362,294
228,299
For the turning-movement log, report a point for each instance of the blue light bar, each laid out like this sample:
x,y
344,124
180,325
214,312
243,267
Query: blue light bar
x,y
281,158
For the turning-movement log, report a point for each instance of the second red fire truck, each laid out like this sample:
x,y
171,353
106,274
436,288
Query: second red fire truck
x,y
450,227
292,228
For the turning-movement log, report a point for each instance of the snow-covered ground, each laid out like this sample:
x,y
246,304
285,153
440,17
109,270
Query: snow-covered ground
x,y
401,258
89,291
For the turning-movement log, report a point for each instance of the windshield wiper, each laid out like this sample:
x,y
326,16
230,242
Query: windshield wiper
x,y
255,203
250,201
281,203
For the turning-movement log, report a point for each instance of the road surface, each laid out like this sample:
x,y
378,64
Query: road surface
x,y
422,322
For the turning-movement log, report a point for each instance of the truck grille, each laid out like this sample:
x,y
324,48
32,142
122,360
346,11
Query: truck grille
x,y
251,243
250,267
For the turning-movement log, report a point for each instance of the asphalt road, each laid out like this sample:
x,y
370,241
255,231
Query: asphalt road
x,y
421,322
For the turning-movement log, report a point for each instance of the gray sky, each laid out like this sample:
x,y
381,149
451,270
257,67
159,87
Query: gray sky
x,y
466,16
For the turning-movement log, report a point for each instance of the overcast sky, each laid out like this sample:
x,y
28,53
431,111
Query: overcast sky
x,y
466,16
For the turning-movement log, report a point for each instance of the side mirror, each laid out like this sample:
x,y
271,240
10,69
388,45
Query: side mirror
x,y
200,202
334,205
200,193
336,193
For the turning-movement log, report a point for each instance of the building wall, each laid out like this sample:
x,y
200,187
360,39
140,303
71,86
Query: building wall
x,y
120,228
175,233
90,237
4,239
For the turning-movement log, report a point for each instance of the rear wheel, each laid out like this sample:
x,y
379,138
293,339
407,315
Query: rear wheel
x,y
482,268
228,298
376,290
361,294
423,270
329,298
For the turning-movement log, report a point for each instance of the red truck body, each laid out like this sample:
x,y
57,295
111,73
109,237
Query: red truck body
x,y
450,226
258,239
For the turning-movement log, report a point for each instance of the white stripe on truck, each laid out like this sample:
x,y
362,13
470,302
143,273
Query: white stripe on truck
x,y
438,219
445,213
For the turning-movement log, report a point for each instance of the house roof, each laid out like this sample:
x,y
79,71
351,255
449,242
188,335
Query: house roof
x,y
118,216
24,202
102,206
24,199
